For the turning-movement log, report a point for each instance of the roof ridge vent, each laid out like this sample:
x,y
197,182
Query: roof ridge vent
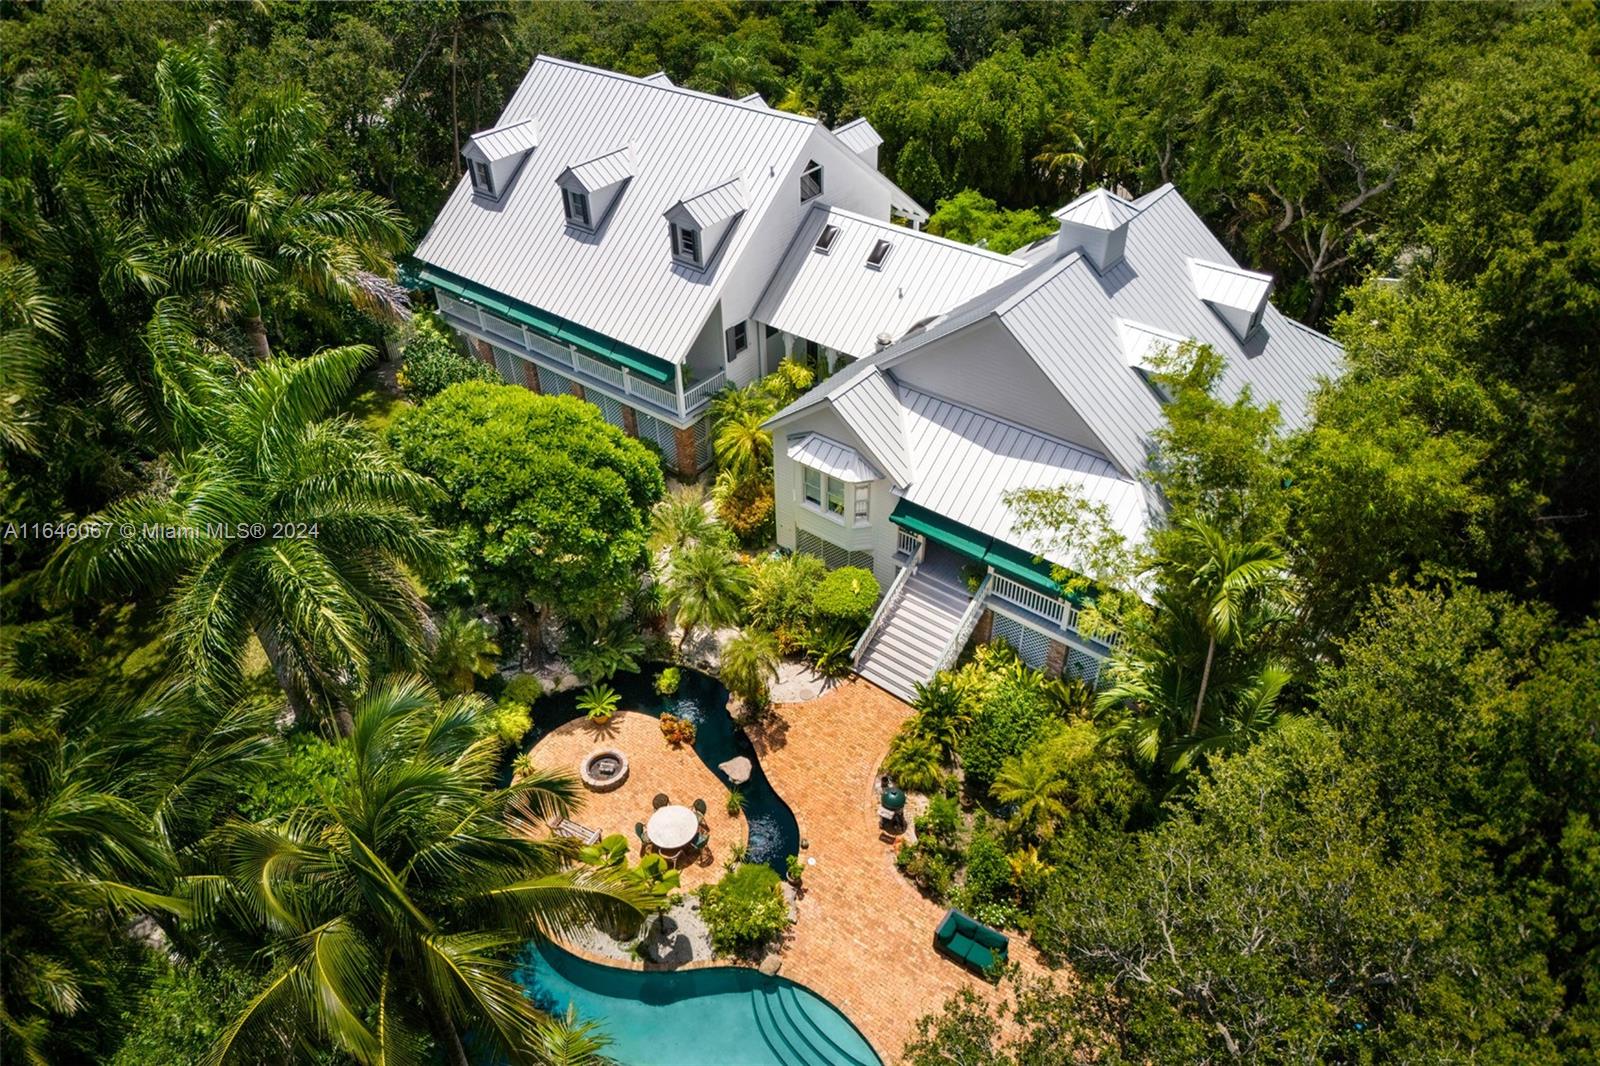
x,y
1096,223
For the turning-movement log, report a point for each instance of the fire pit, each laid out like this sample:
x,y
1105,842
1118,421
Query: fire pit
x,y
604,770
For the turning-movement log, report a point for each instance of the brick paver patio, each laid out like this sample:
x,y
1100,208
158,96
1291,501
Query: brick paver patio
x,y
653,766
864,937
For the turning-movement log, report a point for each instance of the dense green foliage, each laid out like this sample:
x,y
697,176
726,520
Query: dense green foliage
x,y
434,361
745,909
845,599
546,501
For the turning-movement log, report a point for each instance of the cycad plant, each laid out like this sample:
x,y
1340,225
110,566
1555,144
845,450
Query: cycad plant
x,y
392,913
463,650
1033,783
277,522
706,586
750,665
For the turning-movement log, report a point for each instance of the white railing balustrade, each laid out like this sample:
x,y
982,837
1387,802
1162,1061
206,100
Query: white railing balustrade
x,y
969,622
553,350
1057,610
702,390
886,607
908,543
598,370
654,393
501,328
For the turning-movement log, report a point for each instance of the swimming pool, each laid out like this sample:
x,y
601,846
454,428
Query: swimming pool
x,y
701,699
719,1016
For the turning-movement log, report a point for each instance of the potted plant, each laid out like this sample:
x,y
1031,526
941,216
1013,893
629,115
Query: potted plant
x,y
599,702
735,801
796,868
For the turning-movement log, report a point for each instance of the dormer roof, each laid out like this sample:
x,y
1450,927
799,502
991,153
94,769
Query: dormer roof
x,y
858,136
601,172
1141,344
1229,286
1099,209
715,205
503,142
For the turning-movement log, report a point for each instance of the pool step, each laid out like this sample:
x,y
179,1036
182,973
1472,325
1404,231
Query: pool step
x,y
779,1036
816,1038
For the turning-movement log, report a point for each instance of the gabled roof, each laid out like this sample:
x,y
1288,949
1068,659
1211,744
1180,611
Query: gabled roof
x,y
858,135
503,141
1098,208
1067,317
835,299
831,457
872,411
601,172
1229,285
683,142
706,209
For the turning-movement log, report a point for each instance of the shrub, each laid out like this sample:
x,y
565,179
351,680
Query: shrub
x,y
750,665
913,761
510,720
745,909
524,688
735,802
599,702
846,598
830,648
668,680
782,594
433,362
1013,714
747,510
941,823
677,730
926,868
988,876
312,767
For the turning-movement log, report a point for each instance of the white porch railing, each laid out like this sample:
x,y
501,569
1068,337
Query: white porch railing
x,y
701,391
596,369
897,589
654,393
969,622
1053,608
908,543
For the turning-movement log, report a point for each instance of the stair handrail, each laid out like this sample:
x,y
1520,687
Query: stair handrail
x,y
897,589
969,622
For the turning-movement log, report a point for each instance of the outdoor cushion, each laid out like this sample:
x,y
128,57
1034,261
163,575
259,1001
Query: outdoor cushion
x,y
970,941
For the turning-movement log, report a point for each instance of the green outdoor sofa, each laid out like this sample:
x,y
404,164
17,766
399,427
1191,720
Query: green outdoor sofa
x,y
971,942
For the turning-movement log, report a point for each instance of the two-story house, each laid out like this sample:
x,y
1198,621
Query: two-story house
x,y
626,240
902,462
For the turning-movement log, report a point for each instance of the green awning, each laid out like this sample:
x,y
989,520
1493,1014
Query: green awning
x,y
543,322
1016,563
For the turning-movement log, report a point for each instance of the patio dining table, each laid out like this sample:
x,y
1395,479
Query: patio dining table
x,y
672,827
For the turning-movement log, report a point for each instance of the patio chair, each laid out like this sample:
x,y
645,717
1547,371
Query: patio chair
x,y
700,807
701,839
644,839
660,801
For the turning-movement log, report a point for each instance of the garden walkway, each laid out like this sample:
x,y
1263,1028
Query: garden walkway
x,y
864,939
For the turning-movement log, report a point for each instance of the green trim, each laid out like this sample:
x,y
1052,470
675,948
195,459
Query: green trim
x,y
589,341
1008,559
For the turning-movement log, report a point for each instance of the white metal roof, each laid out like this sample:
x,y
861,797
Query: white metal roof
x,y
505,140
1066,316
835,299
1141,343
1098,208
872,411
683,142
858,136
966,461
716,204
832,458
1228,285
601,172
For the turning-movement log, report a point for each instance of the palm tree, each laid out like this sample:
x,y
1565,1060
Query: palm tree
x,y
1250,713
914,761
244,207
706,585
1033,781
1228,581
276,522
391,911
462,650
750,665
681,520
741,441
942,714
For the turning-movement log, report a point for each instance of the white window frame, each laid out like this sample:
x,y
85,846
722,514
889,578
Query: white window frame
x,y
482,176
813,173
863,504
820,492
576,207
738,339
685,244
808,476
833,488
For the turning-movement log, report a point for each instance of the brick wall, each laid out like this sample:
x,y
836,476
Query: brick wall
x,y
530,375
484,350
630,421
683,447
1055,659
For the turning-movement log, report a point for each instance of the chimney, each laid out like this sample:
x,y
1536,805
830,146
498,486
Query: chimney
x,y
884,340
1095,224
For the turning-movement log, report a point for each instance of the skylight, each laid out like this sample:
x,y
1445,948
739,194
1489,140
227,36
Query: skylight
x,y
826,238
879,253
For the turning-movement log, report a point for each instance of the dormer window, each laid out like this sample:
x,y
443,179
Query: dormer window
x,y
576,205
880,252
482,177
826,238
686,244
811,181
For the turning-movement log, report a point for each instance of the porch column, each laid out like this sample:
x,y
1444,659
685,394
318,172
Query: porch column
x,y
484,349
530,376
577,389
1055,659
985,627
630,421
684,451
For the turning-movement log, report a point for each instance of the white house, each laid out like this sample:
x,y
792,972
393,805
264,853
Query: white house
x,y
614,236
902,460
